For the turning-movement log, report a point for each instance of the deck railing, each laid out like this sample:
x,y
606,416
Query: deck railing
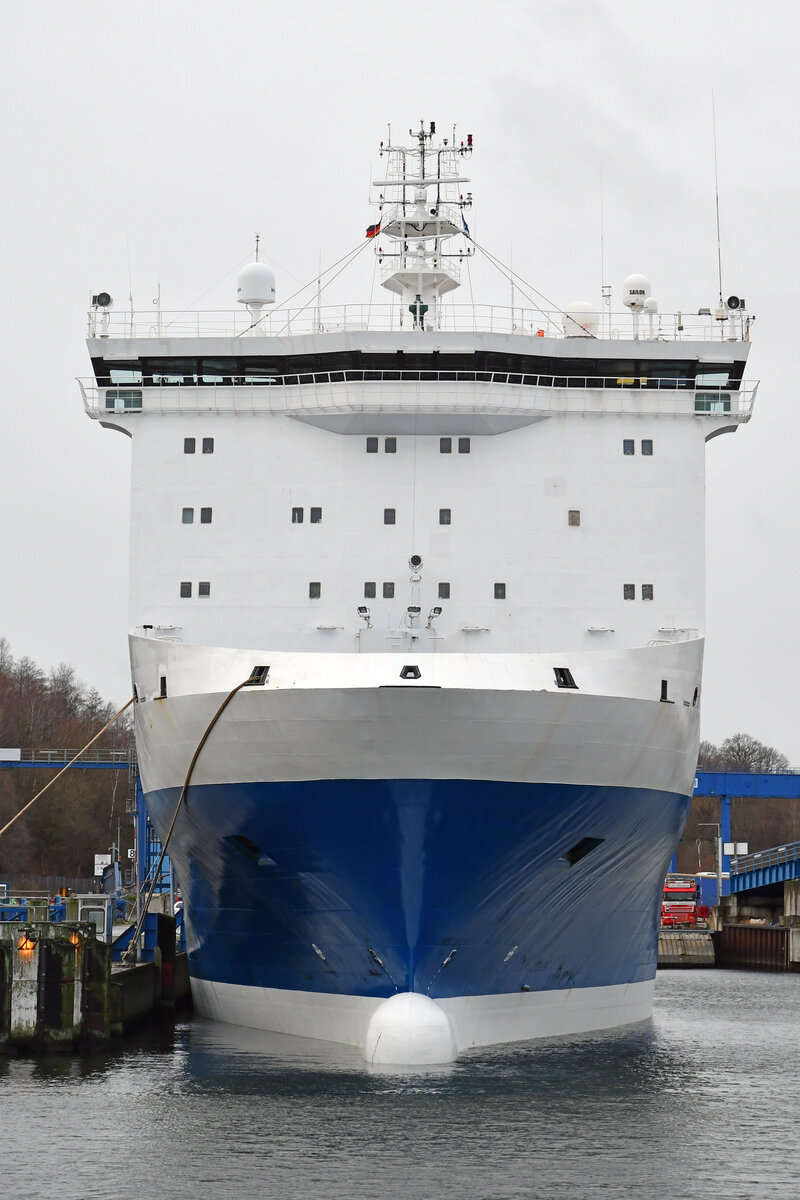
x,y
381,318
423,391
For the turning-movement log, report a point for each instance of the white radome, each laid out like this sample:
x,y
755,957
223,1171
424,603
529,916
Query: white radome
x,y
636,289
256,284
580,319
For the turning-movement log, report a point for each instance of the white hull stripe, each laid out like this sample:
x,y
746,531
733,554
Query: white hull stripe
x,y
476,1020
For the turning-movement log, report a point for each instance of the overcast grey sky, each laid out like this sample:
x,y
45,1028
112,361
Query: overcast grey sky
x,y
166,133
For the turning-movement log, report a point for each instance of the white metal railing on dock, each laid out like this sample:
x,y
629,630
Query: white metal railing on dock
x,y
424,391
451,318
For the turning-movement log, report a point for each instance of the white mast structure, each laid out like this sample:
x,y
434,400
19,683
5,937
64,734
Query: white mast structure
x,y
421,212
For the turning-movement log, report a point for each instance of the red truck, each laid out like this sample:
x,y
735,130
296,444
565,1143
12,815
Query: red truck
x,y
680,903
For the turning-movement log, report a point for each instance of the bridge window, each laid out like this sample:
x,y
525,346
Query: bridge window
x,y
187,516
314,590
647,446
444,591
628,446
629,591
444,516
445,445
208,445
297,516
204,589
205,516
463,445
390,445
499,591
315,516
369,591
188,445
388,591
647,591
389,516
186,589
574,516
372,445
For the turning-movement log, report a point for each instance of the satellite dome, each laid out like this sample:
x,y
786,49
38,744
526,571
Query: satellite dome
x,y
580,319
650,305
635,290
256,284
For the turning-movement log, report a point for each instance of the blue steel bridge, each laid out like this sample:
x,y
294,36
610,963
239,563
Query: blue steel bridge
x,y
757,877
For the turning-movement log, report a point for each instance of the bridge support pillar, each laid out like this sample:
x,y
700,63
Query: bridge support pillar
x,y
791,901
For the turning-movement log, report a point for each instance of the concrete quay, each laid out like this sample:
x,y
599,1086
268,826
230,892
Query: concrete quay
x,y
61,992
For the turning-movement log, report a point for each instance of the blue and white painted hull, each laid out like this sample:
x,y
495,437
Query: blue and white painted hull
x,y
313,898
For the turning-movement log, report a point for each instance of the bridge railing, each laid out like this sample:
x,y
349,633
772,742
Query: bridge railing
x,y
61,755
772,857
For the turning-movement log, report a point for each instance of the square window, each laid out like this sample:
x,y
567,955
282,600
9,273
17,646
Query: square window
x,y
463,445
388,591
369,591
188,445
444,516
208,445
186,590
444,591
297,516
628,591
204,588
372,445
188,516
574,516
647,591
314,591
315,516
390,445
647,446
628,446
499,591
445,445
205,516
389,516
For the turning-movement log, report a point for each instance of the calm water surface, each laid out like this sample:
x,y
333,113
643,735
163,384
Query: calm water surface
x,y
704,1101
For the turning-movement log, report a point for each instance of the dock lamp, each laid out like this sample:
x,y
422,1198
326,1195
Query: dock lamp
x,y
432,615
363,612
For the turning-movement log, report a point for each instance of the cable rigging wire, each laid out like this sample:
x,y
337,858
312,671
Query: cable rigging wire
x,y
108,725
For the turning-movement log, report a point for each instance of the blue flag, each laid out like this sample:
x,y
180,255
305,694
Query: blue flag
x,y
466,226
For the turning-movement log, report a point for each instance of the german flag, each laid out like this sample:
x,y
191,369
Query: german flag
x,y
373,230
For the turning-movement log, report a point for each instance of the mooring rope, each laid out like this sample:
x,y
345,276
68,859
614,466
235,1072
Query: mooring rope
x,y
130,953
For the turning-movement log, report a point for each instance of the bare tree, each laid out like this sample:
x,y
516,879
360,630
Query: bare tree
x,y
709,758
741,752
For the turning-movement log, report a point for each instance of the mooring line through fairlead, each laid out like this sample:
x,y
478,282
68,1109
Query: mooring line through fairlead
x,y
131,950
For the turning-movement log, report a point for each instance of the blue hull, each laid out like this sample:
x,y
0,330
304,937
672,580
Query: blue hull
x,y
368,887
